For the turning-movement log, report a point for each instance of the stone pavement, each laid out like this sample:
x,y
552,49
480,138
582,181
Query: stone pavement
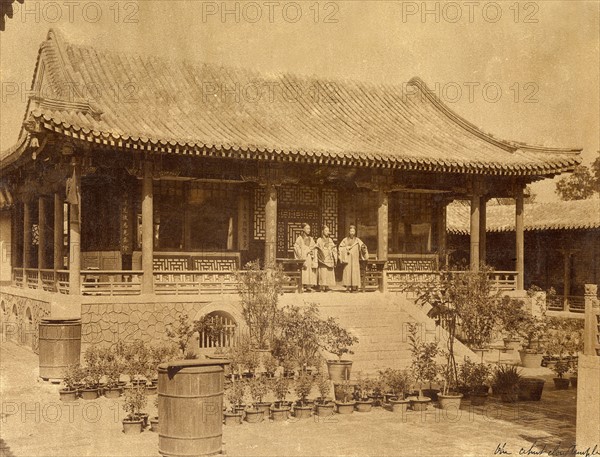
x,y
34,422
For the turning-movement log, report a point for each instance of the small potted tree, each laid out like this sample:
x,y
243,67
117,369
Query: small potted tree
x,y
303,386
344,397
397,383
560,368
71,380
363,394
424,367
135,401
258,390
337,340
324,404
475,377
506,383
235,397
280,410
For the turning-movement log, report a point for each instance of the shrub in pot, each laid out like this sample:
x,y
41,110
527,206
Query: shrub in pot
x,y
135,401
235,397
303,386
337,340
259,292
397,383
258,388
506,381
280,410
363,394
345,393
424,367
560,368
324,405
475,378
72,378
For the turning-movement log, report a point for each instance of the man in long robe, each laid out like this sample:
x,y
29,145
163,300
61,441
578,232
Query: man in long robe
x,y
352,251
304,249
327,257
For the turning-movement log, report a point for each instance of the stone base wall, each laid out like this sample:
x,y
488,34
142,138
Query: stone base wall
x,y
106,323
20,317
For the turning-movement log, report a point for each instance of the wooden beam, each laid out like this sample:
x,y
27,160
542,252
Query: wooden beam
x,y
520,238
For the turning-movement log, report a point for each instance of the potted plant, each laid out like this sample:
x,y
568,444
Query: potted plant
x,y
259,294
270,365
337,340
258,390
71,380
363,394
303,386
154,423
180,332
506,382
235,397
280,410
475,377
344,397
135,401
324,404
424,367
532,329
397,382
561,367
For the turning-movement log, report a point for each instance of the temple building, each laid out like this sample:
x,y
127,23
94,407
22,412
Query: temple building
x,y
139,185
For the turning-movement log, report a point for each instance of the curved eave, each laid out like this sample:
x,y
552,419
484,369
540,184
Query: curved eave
x,y
350,158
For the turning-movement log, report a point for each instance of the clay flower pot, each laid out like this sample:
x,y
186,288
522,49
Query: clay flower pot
x,y
561,383
132,426
254,415
89,394
345,408
303,412
325,409
112,392
154,425
364,406
67,395
339,370
280,414
234,418
399,406
450,401
419,403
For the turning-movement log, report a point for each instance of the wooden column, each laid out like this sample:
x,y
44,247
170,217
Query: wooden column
x,y
75,231
520,239
475,218
567,278
26,235
147,230
42,234
482,230
441,229
58,232
271,225
382,232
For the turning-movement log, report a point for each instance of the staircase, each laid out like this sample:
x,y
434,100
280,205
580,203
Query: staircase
x,y
380,321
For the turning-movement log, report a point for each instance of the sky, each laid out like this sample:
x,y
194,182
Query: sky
x,y
525,71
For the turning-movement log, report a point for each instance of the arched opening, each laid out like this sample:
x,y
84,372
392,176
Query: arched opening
x,y
218,330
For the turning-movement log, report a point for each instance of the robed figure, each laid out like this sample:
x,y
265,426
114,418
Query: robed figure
x,y
327,257
352,251
304,249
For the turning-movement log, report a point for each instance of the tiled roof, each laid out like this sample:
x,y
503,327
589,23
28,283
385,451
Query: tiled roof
x,y
168,106
567,215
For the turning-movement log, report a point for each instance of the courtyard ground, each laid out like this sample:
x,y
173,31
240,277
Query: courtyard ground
x,y
33,422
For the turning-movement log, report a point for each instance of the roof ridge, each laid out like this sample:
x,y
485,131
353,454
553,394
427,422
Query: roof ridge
x,y
511,146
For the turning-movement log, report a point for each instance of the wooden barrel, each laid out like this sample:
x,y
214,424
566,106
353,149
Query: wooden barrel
x,y
59,346
190,407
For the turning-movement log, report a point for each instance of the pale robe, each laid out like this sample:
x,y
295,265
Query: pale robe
x,y
304,249
327,256
352,251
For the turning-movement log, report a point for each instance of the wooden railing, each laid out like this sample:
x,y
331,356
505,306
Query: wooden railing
x,y
571,303
111,282
62,281
195,282
406,280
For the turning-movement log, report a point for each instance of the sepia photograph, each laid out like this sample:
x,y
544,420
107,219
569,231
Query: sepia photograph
x,y
348,228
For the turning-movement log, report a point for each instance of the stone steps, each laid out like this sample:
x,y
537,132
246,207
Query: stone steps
x,y
380,323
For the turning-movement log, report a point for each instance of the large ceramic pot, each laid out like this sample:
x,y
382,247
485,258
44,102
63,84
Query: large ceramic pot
x,y
325,409
530,389
254,416
132,426
530,359
303,412
67,395
450,401
561,383
399,406
280,414
339,370
419,403
154,425
89,394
